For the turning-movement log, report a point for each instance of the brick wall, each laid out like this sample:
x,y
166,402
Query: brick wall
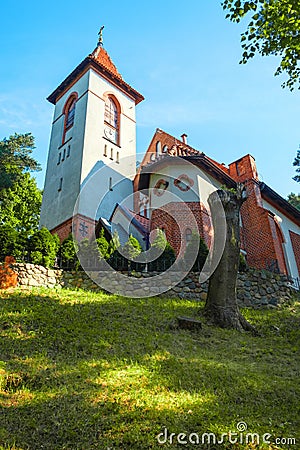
x,y
257,235
175,216
63,230
295,239
81,226
260,236
278,241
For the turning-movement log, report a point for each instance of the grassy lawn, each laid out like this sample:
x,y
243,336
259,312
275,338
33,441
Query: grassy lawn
x,y
81,370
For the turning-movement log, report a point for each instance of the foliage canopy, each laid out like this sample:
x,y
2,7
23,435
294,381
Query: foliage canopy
x,y
274,29
294,200
20,204
15,158
296,163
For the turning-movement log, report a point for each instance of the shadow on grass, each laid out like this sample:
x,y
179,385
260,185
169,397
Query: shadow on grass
x,y
90,371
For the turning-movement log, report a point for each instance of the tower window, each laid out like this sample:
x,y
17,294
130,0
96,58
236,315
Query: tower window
x,y
70,115
111,153
112,120
60,185
64,155
110,184
118,158
105,150
69,112
68,151
59,158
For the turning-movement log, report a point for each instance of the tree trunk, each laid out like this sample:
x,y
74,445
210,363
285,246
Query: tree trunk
x,y
221,306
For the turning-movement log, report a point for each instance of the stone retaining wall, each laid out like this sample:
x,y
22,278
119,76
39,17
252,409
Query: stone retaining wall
x,y
255,288
34,275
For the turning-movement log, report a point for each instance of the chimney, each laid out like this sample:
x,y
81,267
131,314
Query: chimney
x,y
184,138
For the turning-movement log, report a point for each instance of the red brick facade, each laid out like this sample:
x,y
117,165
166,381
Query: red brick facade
x,y
261,235
175,216
295,239
81,226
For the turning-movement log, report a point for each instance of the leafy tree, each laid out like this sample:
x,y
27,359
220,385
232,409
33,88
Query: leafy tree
x,y
131,249
20,204
166,253
296,163
274,29
15,158
43,247
294,200
196,241
114,242
68,253
103,245
12,243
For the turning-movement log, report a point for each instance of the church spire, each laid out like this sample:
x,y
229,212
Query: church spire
x,y
102,57
100,39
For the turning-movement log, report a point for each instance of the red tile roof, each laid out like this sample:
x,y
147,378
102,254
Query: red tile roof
x,y
144,221
100,61
101,56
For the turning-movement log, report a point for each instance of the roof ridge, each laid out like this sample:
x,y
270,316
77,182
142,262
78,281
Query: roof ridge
x,y
178,142
101,56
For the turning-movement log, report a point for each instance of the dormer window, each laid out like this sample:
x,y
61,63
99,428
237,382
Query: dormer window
x,y
112,120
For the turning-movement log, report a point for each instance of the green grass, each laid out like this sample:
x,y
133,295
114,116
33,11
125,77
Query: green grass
x,y
91,371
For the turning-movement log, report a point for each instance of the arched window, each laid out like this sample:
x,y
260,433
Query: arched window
x,y
188,235
69,112
111,120
70,115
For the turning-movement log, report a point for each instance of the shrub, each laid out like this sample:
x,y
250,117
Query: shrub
x,y
131,249
68,253
243,266
103,245
196,242
12,243
43,247
166,257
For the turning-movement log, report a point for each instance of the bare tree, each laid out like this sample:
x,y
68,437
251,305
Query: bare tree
x,y
221,306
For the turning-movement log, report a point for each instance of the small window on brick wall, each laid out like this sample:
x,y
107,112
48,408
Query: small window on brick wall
x,y
188,235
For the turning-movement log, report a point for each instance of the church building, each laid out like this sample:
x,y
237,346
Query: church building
x,y
92,181
93,126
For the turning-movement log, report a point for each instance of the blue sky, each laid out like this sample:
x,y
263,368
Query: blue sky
x,y
183,57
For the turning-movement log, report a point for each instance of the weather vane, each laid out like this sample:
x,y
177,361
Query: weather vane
x,y
100,34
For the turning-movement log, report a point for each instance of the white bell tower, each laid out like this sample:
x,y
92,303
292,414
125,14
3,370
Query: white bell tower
x,y
94,126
